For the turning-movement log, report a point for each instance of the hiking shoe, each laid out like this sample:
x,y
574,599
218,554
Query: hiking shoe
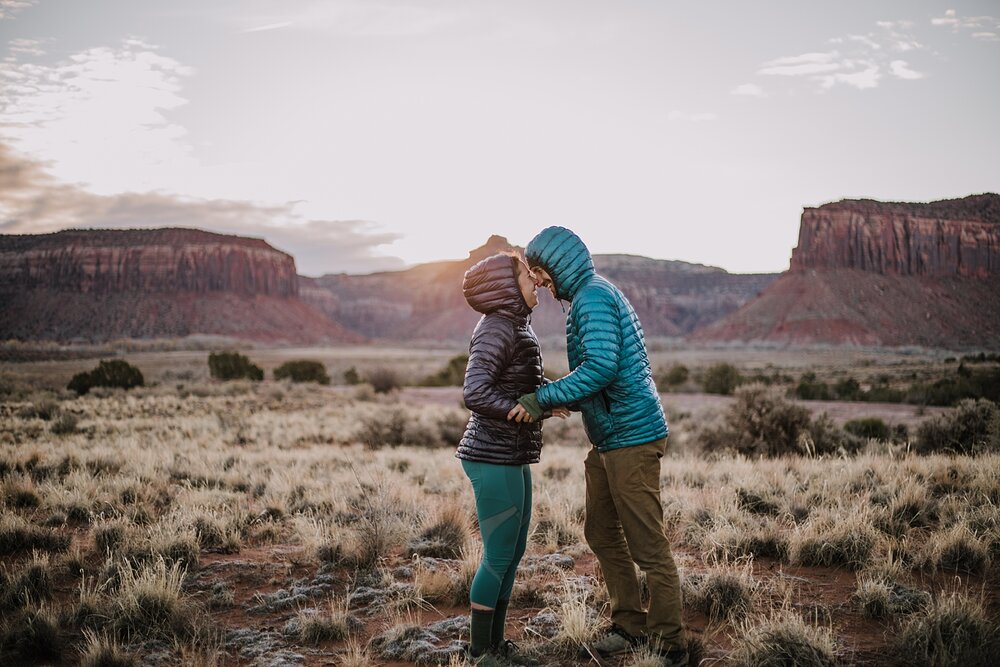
x,y
677,657
617,641
510,652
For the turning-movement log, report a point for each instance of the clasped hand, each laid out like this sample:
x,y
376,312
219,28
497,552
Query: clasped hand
x,y
519,414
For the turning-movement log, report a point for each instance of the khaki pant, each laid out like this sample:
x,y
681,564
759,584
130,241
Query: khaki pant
x,y
624,528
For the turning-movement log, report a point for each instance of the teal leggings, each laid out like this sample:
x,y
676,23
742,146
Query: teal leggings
x,y
503,505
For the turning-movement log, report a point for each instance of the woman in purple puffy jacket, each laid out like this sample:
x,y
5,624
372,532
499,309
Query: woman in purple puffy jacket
x,y
504,362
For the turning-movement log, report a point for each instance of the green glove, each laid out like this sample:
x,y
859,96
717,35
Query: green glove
x,y
530,403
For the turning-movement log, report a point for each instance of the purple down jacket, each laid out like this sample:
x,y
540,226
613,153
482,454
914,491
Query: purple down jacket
x,y
504,363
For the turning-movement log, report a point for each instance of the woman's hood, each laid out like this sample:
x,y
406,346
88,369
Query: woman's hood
x,y
490,286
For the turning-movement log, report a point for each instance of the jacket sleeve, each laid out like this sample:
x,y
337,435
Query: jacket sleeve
x,y
490,352
600,343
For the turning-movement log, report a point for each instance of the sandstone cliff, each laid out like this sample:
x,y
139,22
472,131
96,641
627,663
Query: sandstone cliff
x,y
425,302
958,237
874,273
98,285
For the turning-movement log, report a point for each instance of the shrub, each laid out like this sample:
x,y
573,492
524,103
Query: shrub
x,y
953,630
383,430
871,428
811,389
113,373
65,424
721,379
677,375
725,594
452,375
302,370
759,423
848,389
333,625
44,409
351,376
149,602
233,366
31,637
383,380
973,427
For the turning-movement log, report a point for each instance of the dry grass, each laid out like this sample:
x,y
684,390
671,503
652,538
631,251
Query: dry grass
x,y
118,533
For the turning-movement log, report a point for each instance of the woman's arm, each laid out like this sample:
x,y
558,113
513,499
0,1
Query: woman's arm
x,y
490,352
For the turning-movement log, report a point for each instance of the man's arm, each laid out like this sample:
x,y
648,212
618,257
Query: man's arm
x,y
599,328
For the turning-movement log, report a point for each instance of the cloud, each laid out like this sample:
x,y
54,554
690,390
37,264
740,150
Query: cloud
x,y
111,102
34,202
902,70
749,90
807,63
981,27
8,8
859,60
357,18
269,26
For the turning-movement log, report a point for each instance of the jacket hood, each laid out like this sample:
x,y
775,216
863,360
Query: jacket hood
x,y
490,286
564,256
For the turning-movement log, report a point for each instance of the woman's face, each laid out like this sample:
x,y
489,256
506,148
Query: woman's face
x,y
526,281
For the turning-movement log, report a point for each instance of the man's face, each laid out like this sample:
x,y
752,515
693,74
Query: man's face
x,y
543,279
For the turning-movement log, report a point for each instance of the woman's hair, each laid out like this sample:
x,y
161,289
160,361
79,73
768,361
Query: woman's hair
x,y
516,261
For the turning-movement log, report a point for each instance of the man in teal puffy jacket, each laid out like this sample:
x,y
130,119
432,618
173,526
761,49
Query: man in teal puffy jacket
x,y
611,383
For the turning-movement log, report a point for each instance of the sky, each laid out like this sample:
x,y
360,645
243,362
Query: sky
x,y
367,135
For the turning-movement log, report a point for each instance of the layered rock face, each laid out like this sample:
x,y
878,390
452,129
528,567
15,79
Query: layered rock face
x,y
425,303
873,273
147,261
958,237
98,285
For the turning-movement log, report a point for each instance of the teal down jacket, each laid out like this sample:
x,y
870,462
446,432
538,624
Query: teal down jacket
x,y
610,379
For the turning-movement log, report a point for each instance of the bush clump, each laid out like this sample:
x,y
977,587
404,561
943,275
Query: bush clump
x,y
759,423
110,373
721,379
953,630
233,366
675,376
383,380
974,427
870,428
302,370
452,375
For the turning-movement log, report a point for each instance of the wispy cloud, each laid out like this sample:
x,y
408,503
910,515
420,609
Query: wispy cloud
x,y
807,63
901,69
357,18
35,202
269,26
749,90
859,60
980,27
8,8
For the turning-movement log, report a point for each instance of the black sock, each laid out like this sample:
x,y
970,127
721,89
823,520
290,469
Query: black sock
x,y
499,621
481,628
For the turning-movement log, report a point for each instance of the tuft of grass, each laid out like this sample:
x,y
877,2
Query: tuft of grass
x,y
953,630
445,537
332,625
32,584
19,536
149,602
956,550
578,623
31,636
103,651
849,544
783,639
726,592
